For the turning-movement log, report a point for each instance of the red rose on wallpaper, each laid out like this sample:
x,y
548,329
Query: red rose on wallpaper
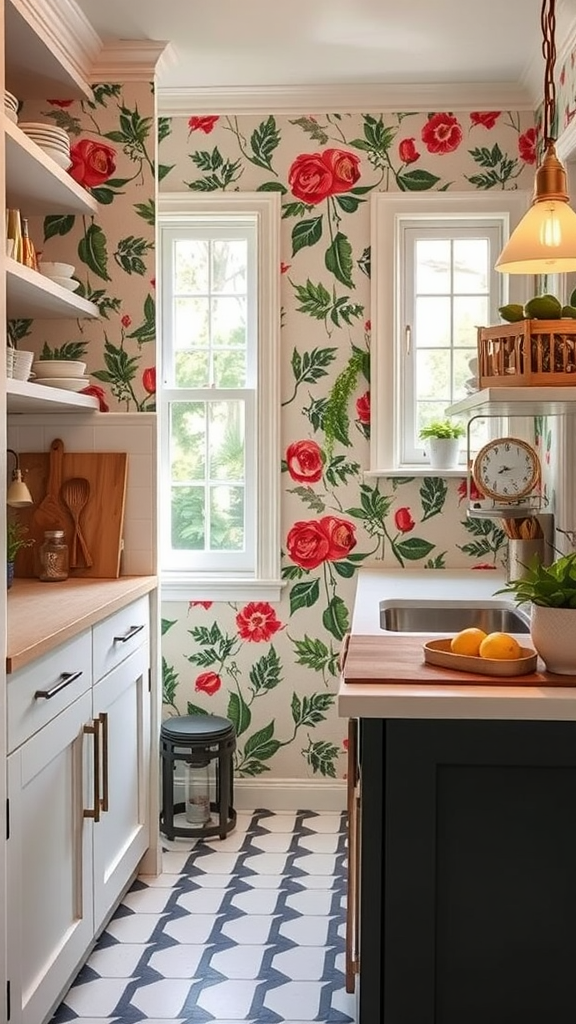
x,y
126,321
61,103
304,459
487,118
208,682
403,520
407,151
257,621
475,494
483,565
527,146
363,407
200,604
442,133
315,176
97,392
203,124
149,380
340,535
307,544
92,162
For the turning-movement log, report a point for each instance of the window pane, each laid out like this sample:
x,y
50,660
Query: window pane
x,y
229,262
187,524
432,321
188,441
433,375
191,265
471,269
226,518
229,322
192,369
191,323
462,372
433,266
469,313
428,411
230,369
226,441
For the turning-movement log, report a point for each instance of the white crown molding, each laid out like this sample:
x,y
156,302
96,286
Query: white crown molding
x,y
66,31
301,99
129,60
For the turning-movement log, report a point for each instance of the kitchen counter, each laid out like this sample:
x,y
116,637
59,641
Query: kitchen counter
x,y
43,615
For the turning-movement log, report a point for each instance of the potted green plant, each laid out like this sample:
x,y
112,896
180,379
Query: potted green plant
x,y
16,538
550,592
443,442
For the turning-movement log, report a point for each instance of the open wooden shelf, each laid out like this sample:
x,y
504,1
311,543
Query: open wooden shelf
x,y
31,296
23,396
35,184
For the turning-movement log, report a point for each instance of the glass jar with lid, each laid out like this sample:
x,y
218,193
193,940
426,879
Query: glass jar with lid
x,y
54,557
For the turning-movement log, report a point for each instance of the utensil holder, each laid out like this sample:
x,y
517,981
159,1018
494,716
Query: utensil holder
x,y
521,553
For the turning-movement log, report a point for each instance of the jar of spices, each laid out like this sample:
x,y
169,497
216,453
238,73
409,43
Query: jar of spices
x,y
54,557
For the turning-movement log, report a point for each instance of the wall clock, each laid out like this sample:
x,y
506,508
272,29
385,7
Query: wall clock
x,y
506,469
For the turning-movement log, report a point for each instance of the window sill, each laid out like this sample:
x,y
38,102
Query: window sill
x,y
418,471
187,587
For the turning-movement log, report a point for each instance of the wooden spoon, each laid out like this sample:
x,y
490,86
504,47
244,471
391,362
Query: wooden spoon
x,y
75,493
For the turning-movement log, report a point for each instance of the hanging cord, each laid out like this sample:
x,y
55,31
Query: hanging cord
x,y
548,22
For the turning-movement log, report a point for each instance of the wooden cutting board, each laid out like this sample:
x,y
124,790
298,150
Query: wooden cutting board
x,y
102,519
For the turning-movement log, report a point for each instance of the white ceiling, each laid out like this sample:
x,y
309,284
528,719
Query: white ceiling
x,y
258,43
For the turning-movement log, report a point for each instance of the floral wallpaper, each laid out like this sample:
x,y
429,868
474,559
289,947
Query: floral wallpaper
x,y
273,669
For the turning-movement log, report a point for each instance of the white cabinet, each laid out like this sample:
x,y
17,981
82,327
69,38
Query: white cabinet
x,y
78,771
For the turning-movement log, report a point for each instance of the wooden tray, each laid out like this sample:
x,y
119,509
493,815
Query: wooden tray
x,y
437,652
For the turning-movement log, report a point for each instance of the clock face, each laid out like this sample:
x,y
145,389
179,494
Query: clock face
x,y
506,469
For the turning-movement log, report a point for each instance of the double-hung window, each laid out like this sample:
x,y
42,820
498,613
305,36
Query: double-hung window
x,y
218,397
433,285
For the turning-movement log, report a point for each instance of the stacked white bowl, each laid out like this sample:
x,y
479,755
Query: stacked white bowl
x,y
11,106
60,273
68,374
53,140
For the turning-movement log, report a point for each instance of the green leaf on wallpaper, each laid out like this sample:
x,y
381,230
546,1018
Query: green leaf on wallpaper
x,y
106,303
104,91
292,572
206,161
335,618
438,562
261,744
477,549
147,211
313,653
104,195
414,548
348,203
344,569
304,595
310,711
433,491
133,129
167,624
129,254
306,233
486,157
364,262
265,673
263,141
169,683
253,768
309,497
18,329
272,186
194,709
321,757
309,367
309,125
58,224
294,210
92,251
64,119
239,713
146,332
314,299
339,469
416,181
164,128
163,170
338,259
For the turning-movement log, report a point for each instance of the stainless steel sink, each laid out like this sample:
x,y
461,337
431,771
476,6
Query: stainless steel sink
x,y
446,617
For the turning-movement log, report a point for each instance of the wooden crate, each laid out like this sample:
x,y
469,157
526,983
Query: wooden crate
x,y
530,353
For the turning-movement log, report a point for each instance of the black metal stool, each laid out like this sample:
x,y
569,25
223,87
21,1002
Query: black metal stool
x,y
197,740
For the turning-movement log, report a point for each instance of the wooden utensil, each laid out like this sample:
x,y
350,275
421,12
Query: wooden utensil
x,y
49,514
75,494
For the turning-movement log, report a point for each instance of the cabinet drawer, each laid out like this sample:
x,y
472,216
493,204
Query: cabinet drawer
x,y
43,689
115,638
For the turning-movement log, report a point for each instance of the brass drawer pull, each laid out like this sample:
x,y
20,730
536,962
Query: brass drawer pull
x,y
65,679
128,636
94,730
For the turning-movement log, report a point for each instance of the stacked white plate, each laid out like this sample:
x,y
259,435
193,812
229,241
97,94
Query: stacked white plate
x,y
60,273
68,374
11,106
53,140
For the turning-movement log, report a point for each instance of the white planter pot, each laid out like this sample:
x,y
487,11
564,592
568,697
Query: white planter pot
x,y
553,633
444,452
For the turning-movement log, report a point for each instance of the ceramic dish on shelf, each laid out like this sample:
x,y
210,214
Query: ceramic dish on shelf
x,y
11,115
47,368
56,269
64,383
437,652
65,282
37,128
59,158
49,140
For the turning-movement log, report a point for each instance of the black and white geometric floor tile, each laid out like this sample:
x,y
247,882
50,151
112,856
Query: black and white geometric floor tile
x,y
246,929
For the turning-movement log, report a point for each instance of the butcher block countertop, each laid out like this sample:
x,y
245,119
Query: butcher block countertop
x,y
387,677
43,615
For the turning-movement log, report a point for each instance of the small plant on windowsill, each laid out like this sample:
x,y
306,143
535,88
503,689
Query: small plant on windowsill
x,y
443,442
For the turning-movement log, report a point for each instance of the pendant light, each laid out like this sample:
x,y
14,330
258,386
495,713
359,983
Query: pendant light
x,y
17,495
545,240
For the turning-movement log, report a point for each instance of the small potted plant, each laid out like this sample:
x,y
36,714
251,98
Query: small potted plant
x,y
16,538
443,442
550,592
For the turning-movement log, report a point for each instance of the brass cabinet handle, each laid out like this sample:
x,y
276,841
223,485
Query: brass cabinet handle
x,y
94,730
65,679
103,719
352,905
128,636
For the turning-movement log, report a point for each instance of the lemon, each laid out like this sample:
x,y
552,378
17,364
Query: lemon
x,y
501,646
467,641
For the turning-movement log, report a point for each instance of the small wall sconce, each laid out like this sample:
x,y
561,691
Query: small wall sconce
x,y
17,495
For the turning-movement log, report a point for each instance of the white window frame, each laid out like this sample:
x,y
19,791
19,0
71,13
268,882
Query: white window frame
x,y
390,213
261,580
